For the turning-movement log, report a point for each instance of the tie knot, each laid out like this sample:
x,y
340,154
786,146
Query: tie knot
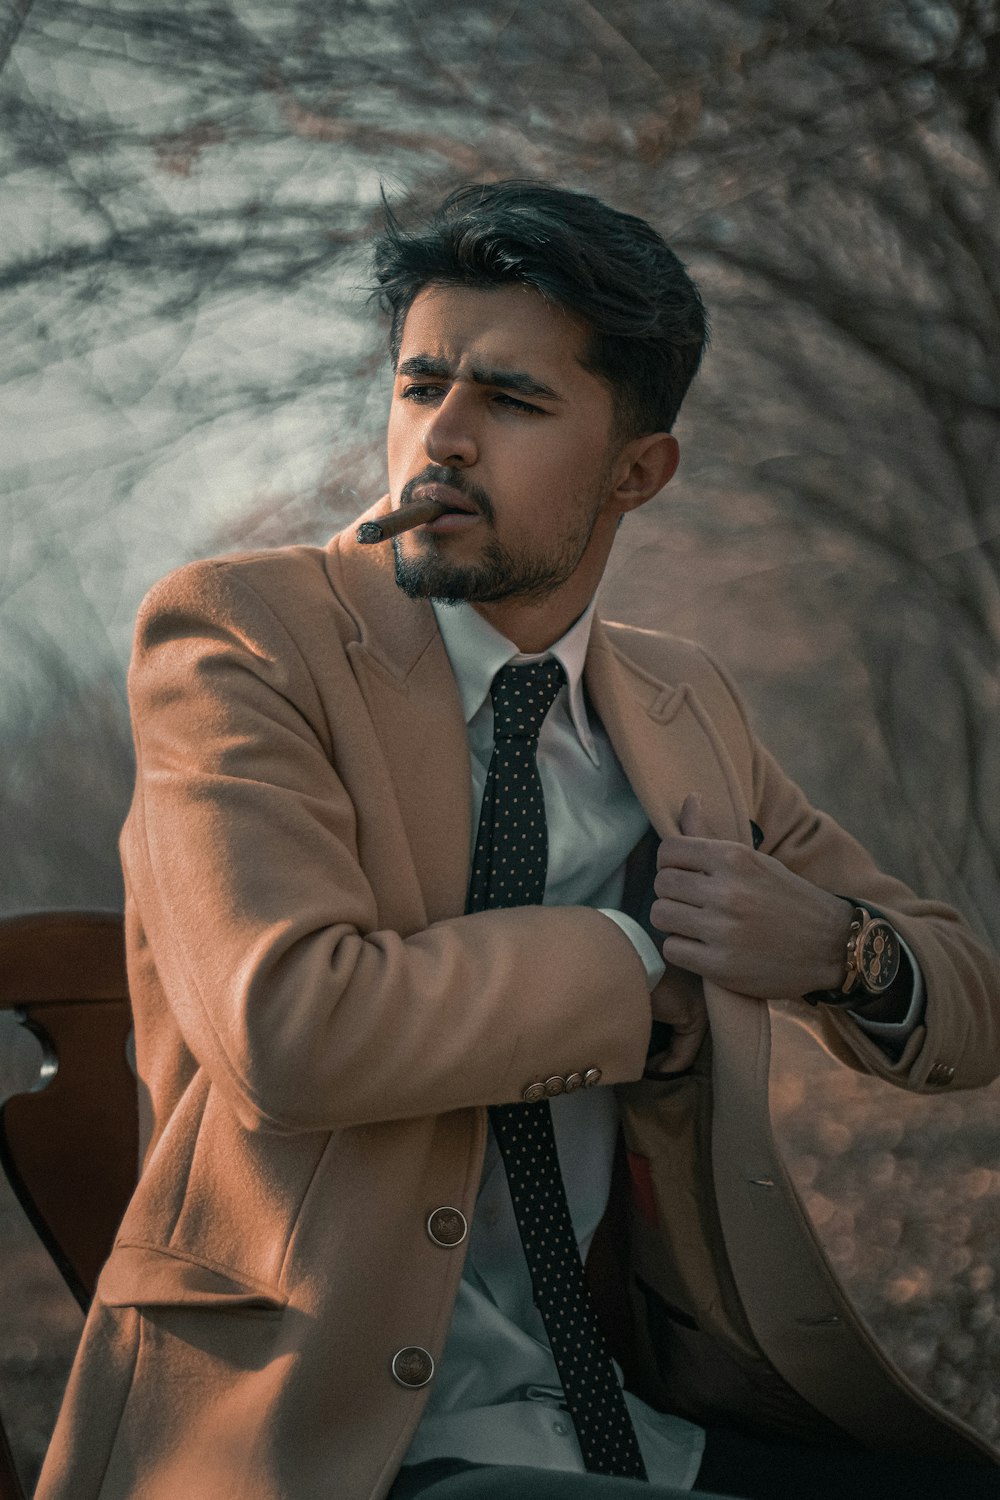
x,y
522,696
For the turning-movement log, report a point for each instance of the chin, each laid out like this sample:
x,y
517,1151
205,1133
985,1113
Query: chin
x,y
425,575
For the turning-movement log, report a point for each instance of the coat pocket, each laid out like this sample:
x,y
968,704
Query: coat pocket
x,y
207,1374
145,1275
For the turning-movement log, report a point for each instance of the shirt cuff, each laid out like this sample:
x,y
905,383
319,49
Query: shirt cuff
x,y
647,950
898,1031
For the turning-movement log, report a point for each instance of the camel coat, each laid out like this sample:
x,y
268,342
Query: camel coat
x,y
319,1029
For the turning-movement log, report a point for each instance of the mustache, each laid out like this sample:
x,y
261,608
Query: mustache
x,y
454,479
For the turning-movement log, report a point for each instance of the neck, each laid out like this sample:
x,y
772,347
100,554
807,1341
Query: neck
x,y
532,627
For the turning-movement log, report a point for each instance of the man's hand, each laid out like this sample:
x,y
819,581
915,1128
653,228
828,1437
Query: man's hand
x,y
742,919
679,1000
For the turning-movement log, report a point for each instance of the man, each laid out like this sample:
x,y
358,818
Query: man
x,y
405,821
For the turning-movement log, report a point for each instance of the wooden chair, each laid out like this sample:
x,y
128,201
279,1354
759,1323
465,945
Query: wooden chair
x,y
70,1146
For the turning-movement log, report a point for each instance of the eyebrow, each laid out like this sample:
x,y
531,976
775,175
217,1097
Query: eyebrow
x,y
507,380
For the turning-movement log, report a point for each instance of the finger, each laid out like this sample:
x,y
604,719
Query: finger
x,y
689,854
688,1024
692,821
680,919
685,952
690,886
682,1051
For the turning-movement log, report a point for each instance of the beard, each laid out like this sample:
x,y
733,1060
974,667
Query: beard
x,y
501,571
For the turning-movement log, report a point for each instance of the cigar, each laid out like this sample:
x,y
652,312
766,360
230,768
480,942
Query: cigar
x,y
403,519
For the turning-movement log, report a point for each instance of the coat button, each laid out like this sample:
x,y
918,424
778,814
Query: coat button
x,y
573,1081
940,1075
554,1085
533,1093
447,1226
412,1367
592,1076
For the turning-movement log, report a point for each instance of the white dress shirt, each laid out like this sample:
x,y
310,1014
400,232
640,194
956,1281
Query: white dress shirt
x,y
496,1397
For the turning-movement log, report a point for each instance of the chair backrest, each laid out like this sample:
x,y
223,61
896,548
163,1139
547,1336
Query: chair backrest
x,y
70,1146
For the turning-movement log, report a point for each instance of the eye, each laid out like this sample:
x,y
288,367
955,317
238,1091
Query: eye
x,y
513,404
421,393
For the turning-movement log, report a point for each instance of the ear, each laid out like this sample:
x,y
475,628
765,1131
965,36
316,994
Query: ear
x,y
642,468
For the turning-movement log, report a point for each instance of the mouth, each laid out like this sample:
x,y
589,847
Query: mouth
x,y
454,502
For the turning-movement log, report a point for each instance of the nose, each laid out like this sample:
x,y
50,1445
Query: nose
x,y
449,436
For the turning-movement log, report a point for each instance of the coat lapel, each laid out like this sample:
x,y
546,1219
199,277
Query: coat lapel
x,y
404,674
660,736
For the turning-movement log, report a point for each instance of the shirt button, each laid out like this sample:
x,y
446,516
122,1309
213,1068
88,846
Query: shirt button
x,y
560,1429
412,1367
447,1226
592,1076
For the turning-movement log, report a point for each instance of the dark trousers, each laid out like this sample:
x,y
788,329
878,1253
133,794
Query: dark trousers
x,y
735,1467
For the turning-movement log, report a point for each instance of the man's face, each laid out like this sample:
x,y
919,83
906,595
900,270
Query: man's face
x,y
493,413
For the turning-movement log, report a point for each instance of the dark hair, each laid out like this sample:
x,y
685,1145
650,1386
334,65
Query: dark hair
x,y
648,325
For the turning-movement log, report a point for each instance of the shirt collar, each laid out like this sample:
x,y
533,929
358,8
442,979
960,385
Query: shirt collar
x,y
477,652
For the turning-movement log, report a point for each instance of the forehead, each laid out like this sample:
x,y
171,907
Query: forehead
x,y
509,328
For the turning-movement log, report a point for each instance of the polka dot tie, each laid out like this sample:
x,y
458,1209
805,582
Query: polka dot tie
x,y
508,869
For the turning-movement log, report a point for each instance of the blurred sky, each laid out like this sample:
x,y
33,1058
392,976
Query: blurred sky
x,y
190,367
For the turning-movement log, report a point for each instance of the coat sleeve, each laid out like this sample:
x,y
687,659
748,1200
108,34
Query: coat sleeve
x,y
241,859
958,1043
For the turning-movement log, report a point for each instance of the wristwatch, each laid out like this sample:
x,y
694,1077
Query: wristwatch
x,y
872,960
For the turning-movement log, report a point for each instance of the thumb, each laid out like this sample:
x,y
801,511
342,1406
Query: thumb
x,y
692,821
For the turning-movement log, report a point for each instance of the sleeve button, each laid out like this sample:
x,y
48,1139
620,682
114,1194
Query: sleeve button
x,y
592,1076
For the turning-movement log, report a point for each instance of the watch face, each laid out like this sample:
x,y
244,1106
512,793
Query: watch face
x,y
878,957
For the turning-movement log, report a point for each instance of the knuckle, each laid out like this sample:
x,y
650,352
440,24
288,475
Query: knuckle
x,y
694,1018
732,857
